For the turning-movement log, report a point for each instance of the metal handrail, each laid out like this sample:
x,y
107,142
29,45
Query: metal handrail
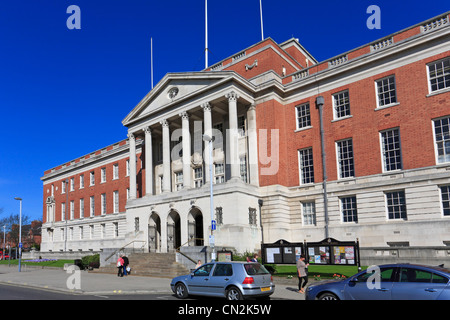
x,y
184,255
120,249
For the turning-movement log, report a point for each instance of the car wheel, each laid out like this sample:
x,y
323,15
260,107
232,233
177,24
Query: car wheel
x,y
181,291
233,293
328,296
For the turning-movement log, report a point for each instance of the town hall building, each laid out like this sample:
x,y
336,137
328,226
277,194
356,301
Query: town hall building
x,y
354,147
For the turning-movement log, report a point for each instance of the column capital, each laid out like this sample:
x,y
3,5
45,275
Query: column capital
x,y
131,136
148,130
184,115
232,96
251,107
164,123
206,107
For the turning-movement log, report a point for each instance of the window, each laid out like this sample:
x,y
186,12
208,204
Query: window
x,y
116,229
309,213
198,177
390,140
386,94
252,216
341,105
92,206
243,168
303,116
305,159
348,209
203,270
116,201
241,126
219,173
345,158
63,187
82,181
116,171
81,208
91,231
103,175
179,180
72,184
128,167
72,210
396,205
81,232
442,139
445,198
92,178
223,270
439,75
385,274
102,230
103,199
219,215
63,211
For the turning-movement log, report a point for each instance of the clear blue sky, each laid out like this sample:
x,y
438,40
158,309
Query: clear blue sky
x,y
64,93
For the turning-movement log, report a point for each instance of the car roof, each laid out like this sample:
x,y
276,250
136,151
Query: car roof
x,y
436,268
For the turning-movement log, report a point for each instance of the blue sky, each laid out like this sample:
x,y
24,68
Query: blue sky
x,y
64,93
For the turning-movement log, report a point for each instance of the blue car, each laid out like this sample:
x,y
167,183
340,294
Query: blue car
x,y
387,282
231,280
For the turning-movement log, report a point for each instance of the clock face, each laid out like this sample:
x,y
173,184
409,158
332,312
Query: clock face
x,y
172,92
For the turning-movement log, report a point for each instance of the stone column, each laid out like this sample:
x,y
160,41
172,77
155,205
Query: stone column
x,y
233,136
186,150
252,146
148,162
166,156
207,129
132,144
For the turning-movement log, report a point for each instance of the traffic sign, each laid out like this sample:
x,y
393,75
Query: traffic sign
x,y
213,224
20,244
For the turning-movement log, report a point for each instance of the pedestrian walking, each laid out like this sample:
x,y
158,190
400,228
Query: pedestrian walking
x,y
120,266
125,265
302,273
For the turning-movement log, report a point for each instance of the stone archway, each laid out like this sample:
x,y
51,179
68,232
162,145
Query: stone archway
x,y
173,231
195,227
154,233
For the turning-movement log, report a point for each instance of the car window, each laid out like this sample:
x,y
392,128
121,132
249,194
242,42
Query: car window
x,y
384,273
223,270
439,279
255,268
414,275
203,270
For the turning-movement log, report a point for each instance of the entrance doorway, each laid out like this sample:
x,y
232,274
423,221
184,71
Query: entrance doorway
x,y
154,233
195,227
173,231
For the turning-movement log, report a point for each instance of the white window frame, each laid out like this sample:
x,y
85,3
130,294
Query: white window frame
x,y
92,178
178,177
116,201
436,151
340,159
308,116
430,91
115,171
198,180
337,98
387,205
441,194
82,208
81,181
354,215
382,148
91,206
377,83
301,168
103,203
307,205
103,175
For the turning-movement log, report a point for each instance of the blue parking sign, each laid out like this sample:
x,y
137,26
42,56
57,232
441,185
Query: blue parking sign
x,y
213,224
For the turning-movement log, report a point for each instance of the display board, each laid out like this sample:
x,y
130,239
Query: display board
x,y
326,252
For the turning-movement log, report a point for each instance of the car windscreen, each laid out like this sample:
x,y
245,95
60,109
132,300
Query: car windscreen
x,y
255,269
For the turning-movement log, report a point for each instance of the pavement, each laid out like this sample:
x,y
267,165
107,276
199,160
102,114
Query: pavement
x,y
84,282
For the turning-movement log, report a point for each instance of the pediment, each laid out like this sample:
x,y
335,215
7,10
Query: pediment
x,y
173,89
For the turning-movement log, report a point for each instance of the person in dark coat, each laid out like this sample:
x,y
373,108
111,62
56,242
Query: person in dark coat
x,y
125,265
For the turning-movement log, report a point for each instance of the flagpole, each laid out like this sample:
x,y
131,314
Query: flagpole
x,y
206,34
151,59
260,11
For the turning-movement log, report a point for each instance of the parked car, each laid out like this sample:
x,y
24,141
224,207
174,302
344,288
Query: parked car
x,y
231,280
387,282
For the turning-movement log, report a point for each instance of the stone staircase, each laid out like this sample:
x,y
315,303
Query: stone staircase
x,y
161,265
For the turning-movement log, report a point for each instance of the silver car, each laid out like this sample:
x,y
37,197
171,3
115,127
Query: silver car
x,y
232,280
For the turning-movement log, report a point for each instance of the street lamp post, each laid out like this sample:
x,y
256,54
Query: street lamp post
x,y
20,232
4,240
210,140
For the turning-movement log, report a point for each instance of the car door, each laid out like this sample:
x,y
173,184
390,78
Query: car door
x,y
376,285
418,284
198,281
221,277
